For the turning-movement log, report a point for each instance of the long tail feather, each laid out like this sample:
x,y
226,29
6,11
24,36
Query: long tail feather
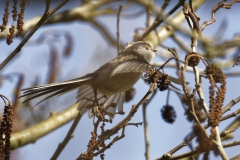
x,y
54,88
37,94
56,93
72,81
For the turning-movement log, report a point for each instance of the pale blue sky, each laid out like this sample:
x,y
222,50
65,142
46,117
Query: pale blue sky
x,y
88,42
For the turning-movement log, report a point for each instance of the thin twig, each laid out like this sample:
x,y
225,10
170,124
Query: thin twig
x,y
115,139
99,26
3,98
157,22
215,9
121,124
164,6
218,144
168,96
118,33
145,122
230,144
180,43
69,135
199,89
235,113
184,143
149,13
196,151
226,132
229,105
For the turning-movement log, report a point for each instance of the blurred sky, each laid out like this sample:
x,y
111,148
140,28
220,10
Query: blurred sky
x,y
90,51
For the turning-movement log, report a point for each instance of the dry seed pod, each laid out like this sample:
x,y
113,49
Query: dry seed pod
x,y
193,60
5,17
168,113
129,94
216,73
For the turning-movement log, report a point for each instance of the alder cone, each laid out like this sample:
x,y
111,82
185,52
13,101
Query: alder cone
x,y
193,60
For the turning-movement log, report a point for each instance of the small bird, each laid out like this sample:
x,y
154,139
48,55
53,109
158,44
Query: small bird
x,y
106,85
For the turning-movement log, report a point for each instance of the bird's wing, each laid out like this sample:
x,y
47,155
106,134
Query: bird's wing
x,y
132,65
135,64
54,89
87,98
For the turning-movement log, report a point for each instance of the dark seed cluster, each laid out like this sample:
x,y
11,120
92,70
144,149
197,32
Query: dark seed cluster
x,y
168,113
161,79
6,127
163,82
216,73
216,93
193,60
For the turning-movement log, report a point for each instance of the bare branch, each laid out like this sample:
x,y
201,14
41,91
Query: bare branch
x,y
69,135
118,35
159,20
215,9
32,134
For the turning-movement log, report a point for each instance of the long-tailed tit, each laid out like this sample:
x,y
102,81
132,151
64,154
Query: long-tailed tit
x,y
107,84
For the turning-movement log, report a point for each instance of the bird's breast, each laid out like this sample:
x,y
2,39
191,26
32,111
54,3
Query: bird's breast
x,y
118,83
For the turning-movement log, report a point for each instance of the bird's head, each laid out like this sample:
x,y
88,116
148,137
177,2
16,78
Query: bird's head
x,y
143,49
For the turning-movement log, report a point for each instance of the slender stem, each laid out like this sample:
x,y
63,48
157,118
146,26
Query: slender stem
x,y
157,22
218,144
69,135
199,89
145,122
121,124
146,136
118,33
168,95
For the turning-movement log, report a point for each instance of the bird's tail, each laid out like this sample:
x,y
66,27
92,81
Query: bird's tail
x,y
110,103
54,89
85,94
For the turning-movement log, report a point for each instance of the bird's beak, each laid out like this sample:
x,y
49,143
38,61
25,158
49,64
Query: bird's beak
x,y
154,50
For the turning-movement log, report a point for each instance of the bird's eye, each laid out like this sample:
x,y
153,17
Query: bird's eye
x,y
147,48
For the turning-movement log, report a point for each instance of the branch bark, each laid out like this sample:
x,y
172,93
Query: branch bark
x,y
32,134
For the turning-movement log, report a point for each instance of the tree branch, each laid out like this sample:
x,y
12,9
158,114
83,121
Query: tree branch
x,y
32,134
